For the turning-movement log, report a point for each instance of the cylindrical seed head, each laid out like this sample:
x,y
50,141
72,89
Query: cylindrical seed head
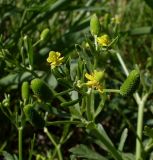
x,y
131,84
25,91
41,90
44,34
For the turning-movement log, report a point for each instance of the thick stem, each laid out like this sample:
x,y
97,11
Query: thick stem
x,y
140,127
58,148
20,129
139,130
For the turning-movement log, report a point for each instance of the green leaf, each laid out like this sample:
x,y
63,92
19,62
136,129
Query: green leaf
x,y
103,132
13,79
8,156
85,152
149,3
28,46
101,135
148,131
75,111
128,156
123,139
141,30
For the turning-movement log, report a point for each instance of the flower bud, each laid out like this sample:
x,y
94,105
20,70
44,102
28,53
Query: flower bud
x,y
99,75
41,90
94,25
33,117
131,84
25,91
6,101
44,34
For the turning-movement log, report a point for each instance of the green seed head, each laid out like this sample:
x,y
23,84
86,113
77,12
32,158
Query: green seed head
x,y
44,34
25,91
131,84
33,117
94,25
41,90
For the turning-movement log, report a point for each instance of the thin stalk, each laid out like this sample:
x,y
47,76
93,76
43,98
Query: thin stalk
x,y
32,146
23,17
62,122
57,146
63,92
122,64
111,90
59,96
36,43
20,129
95,40
89,108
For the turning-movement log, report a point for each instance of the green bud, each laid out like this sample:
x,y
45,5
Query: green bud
x,y
131,84
99,75
41,90
44,34
33,117
6,101
94,25
25,91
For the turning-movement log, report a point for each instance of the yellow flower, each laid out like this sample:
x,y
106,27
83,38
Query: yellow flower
x,y
116,19
103,40
54,59
95,79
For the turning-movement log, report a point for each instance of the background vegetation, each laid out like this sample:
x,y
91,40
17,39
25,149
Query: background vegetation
x,y
23,57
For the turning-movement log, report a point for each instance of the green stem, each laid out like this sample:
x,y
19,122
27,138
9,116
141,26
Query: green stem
x,y
122,64
89,105
111,90
95,40
36,43
62,122
64,92
20,129
140,127
57,146
32,146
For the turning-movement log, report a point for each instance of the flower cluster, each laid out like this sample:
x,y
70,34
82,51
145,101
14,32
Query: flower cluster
x,y
55,59
103,40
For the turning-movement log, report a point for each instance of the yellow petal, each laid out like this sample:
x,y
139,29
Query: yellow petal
x,y
88,76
